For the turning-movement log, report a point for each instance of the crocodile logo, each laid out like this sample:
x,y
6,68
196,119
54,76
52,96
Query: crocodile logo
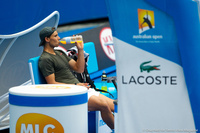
x,y
148,68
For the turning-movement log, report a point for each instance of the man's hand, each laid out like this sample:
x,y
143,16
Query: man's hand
x,y
79,45
84,84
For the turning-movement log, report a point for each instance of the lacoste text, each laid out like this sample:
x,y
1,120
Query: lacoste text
x,y
149,80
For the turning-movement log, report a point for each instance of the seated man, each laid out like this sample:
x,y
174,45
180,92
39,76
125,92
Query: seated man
x,y
55,67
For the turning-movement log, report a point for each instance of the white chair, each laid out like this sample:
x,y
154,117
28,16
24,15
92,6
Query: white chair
x,y
15,50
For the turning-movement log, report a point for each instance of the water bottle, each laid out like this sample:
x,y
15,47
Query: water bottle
x,y
71,39
104,81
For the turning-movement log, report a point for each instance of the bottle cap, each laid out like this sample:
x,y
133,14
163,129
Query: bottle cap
x,y
104,76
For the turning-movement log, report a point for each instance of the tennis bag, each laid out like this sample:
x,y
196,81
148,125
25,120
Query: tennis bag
x,y
83,77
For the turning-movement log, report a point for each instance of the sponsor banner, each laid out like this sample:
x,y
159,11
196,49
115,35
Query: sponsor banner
x,y
48,119
152,92
188,31
38,123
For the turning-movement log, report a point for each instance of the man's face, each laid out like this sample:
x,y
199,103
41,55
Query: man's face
x,y
54,39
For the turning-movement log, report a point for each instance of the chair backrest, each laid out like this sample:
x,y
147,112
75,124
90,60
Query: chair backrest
x,y
37,77
89,48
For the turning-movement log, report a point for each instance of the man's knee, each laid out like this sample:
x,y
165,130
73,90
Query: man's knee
x,y
103,104
98,102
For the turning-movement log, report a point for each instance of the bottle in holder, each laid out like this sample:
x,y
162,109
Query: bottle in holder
x,y
71,39
104,82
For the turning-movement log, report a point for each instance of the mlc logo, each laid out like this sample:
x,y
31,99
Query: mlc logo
x,y
38,123
106,40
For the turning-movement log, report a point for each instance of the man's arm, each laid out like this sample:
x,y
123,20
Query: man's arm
x,y
78,65
51,80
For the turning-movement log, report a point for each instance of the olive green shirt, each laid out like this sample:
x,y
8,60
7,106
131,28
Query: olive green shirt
x,y
57,64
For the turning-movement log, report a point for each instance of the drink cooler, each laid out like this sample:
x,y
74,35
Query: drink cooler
x,y
65,103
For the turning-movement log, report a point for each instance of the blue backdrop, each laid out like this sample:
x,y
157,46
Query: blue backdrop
x,y
18,15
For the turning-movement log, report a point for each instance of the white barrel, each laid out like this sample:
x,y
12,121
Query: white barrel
x,y
48,108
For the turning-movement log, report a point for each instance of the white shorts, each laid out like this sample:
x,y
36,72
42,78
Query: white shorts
x,y
92,92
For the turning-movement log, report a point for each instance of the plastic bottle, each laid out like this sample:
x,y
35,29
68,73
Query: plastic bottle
x,y
104,81
71,39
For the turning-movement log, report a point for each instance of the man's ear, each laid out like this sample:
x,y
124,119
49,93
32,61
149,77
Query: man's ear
x,y
47,39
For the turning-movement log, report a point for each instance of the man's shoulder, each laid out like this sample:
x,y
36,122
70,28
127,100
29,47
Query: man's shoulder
x,y
44,57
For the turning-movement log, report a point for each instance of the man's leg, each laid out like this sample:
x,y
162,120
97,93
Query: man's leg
x,y
109,101
105,106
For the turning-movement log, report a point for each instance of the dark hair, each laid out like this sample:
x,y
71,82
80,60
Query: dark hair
x,y
46,32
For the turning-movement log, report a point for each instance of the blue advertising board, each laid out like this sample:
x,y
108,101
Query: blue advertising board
x,y
156,48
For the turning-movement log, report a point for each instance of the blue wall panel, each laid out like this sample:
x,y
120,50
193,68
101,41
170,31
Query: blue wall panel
x,y
19,15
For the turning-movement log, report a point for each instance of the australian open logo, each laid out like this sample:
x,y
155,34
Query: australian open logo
x,y
146,22
149,76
